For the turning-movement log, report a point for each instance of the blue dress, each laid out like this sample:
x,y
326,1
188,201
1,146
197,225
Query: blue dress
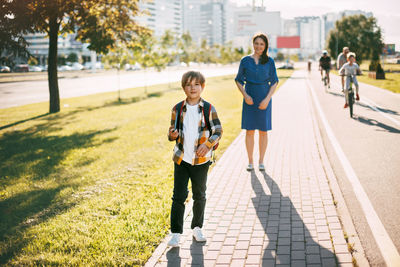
x,y
257,80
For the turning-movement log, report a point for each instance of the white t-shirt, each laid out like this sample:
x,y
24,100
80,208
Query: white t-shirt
x,y
348,69
190,132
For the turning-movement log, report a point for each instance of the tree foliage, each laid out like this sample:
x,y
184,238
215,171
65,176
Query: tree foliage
x,y
102,23
361,34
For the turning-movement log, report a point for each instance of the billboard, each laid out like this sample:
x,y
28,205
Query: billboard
x,y
249,23
288,42
389,49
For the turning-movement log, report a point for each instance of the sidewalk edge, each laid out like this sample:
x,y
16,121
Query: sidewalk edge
x,y
341,207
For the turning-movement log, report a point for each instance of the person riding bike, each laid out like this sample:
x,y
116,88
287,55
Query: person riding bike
x,y
325,65
341,60
350,69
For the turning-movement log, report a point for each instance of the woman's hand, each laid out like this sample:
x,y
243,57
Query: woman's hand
x,y
264,104
248,100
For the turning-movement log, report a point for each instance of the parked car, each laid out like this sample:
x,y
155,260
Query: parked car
x,y
4,69
88,65
21,68
76,66
35,69
132,66
64,68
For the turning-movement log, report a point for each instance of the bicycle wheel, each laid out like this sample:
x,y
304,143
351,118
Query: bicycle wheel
x,y
351,102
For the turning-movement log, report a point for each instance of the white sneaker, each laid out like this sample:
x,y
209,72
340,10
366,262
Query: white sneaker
x,y
198,235
261,167
174,241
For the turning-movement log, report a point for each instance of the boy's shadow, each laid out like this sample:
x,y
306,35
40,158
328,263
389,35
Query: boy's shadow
x,y
290,242
196,253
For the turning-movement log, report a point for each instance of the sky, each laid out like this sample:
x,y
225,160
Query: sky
x,y
387,12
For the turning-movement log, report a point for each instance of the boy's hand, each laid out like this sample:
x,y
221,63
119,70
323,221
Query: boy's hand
x,y
202,150
173,134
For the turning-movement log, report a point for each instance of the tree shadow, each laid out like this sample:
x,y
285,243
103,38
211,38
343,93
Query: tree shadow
x,y
290,241
23,211
22,121
37,155
373,122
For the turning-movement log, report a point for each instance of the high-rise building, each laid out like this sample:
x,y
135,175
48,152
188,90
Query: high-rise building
x,y
162,15
309,29
206,20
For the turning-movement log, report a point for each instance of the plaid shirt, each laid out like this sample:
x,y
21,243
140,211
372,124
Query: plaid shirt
x,y
204,134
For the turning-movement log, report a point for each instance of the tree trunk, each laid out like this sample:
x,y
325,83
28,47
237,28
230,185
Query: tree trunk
x,y
52,66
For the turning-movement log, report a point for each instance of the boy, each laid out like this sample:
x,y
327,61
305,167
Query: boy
x,y
196,128
351,68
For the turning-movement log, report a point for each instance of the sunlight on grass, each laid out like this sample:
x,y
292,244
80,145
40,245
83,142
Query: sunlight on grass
x,y
92,185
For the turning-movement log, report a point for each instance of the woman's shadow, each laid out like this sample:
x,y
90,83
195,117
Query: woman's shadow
x,y
289,240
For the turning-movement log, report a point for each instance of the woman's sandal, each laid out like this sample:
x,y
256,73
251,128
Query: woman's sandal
x,y
261,167
250,167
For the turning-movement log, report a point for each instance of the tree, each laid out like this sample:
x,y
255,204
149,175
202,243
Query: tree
x,y
361,34
99,22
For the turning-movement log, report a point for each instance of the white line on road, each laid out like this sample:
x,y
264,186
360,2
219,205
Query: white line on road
x,y
375,107
385,244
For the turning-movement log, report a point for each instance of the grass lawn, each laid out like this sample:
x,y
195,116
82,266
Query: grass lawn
x,y
92,184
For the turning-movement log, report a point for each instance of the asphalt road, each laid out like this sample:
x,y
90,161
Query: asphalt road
x,y
371,142
21,93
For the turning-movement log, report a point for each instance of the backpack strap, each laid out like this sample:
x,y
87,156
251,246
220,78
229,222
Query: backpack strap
x,y
179,107
207,112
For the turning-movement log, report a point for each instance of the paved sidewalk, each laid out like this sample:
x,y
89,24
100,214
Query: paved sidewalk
x,y
284,216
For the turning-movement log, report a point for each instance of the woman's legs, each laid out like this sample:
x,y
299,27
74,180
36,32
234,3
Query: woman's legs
x,y
250,144
263,143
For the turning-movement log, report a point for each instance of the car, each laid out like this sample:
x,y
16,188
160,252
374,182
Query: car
x,y
288,66
5,69
21,68
64,68
76,66
135,66
35,69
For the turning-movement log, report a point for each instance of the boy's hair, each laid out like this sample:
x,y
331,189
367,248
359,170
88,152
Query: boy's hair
x,y
351,54
190,75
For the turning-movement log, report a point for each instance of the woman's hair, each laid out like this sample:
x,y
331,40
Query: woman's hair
x,y
192,75
264,55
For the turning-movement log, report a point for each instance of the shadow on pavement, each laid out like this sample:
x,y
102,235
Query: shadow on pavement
x,y
290,242
173,257
373,122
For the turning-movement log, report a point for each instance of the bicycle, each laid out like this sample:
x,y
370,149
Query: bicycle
x,y
325,80
350,93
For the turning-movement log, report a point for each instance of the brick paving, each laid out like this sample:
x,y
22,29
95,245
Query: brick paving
x,y
282,217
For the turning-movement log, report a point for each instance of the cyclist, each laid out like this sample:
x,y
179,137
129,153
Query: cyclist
x,y
325,65
341,60
351,68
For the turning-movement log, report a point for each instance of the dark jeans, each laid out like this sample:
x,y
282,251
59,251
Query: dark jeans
x,y
198,176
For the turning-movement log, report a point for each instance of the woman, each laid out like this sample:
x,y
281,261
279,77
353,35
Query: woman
x,y
257,81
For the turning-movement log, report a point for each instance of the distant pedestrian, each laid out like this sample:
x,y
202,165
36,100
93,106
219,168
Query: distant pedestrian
x,y
196,128
257,80
341,60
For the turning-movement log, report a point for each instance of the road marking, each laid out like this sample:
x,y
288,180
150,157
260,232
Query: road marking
x,y
385,244
375,107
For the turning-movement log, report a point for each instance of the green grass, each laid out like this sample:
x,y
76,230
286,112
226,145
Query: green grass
x,y
92,184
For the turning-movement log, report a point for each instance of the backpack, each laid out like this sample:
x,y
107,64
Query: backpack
x,y
206,113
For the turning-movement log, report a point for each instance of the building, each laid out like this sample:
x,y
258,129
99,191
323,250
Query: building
x,y
248,23
38,46
162,15
207,20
